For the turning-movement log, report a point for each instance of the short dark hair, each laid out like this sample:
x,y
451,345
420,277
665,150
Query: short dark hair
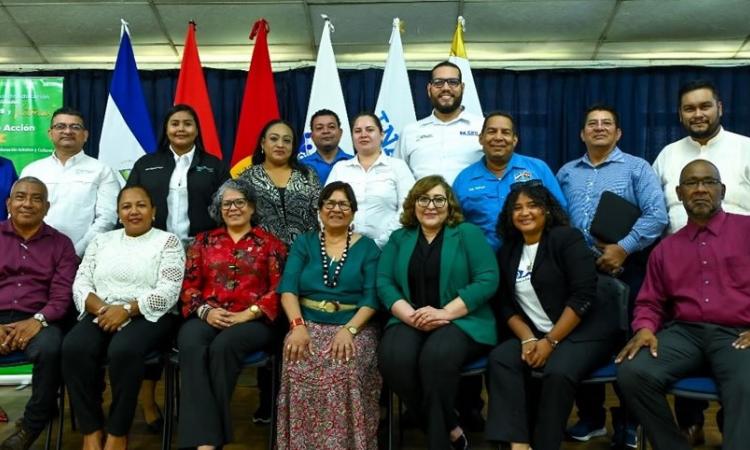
x,y
601,107
499,114
329,189
241,185
694,85
445,63
67,110
31,180
135,186
164,139
324,112
421,187
541,196
259,156
371,115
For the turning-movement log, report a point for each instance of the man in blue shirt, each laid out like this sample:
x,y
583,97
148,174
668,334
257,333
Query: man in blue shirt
x,y
604,167
325,132
482,187
8,176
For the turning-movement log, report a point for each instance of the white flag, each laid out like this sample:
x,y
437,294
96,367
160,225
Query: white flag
x,y
395,106
126,133
458,57
326,93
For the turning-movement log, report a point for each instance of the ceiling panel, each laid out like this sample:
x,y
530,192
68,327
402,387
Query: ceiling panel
x,y
107,54
10,34
19,55
668,50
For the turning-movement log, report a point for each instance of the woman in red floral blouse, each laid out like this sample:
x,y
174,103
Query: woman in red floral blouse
x,y
229,298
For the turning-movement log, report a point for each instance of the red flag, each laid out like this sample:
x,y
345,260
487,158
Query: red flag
x,y
191,90
259,104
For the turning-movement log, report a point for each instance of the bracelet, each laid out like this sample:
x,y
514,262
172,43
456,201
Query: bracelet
x,y
551,341
203,311
296,322
526,341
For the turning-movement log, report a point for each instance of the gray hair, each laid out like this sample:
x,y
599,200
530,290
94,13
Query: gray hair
x,y
32,180
240,185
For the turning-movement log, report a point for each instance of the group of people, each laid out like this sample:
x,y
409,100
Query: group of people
x,y
387,269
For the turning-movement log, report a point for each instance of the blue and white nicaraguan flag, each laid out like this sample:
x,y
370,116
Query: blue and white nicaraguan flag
x,y
395,106
326,93
127,133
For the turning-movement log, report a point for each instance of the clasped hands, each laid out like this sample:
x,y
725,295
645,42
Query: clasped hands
x,y
17,335
535,353
428,318
221,318
111,318
298,345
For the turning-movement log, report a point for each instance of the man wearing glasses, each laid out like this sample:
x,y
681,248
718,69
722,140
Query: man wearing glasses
x,y
693,314
82,190
445,142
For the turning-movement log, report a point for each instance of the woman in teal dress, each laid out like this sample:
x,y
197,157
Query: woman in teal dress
x,y
330,384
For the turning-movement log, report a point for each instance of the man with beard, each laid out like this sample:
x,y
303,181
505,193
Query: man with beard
x,y
445,142
325,132
700,114
693,314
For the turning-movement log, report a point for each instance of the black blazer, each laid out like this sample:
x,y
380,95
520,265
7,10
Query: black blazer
x,y
564,274
205,175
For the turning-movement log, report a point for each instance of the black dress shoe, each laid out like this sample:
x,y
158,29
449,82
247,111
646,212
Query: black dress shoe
x,y
21,439
694,435
461,443
157,425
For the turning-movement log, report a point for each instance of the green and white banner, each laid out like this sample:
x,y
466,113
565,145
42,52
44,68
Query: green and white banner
x,y
26,107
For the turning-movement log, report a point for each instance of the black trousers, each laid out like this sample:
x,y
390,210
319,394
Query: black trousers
x,y
210,363
512,417
424,370
87,349
44,353
685,349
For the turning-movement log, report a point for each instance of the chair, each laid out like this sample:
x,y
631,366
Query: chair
x,y
172,392
18,358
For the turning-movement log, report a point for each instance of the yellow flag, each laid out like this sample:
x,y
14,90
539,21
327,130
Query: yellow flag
x,y
457,47
458,57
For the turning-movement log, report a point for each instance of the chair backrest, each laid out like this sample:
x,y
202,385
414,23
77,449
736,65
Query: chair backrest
x,y
615,293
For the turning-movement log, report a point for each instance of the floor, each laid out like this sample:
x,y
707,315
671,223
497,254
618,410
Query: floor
x,y
251,437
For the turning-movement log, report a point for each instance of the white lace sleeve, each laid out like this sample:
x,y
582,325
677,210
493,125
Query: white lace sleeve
x,y
157,301
84,282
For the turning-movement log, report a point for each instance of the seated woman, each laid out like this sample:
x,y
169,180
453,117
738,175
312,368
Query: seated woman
x,y
229,298
125,287
547,298
379,181
330,385
435,276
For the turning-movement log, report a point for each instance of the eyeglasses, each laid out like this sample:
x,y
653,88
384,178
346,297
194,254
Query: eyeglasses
x,y
706,182
342,204
439,201
75,127
440,82
238,203
528,183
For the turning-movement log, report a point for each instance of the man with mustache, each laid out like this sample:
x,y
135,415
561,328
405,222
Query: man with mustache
x,y
445,142
700,114
325,132
693,314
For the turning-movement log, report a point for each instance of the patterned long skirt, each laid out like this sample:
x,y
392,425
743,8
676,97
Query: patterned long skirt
x,y
325,405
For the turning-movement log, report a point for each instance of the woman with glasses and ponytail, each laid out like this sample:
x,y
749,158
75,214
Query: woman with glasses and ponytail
x,y
330,384
435,276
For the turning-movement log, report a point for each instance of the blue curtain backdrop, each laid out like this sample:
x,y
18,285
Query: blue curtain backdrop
x,y
547,104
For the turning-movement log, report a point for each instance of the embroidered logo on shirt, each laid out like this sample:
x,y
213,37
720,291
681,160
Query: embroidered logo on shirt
x,y
423,136
153,168
204,169
469,133
522,176
480,187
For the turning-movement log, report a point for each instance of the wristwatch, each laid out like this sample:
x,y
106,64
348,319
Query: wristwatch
x,y
43,320
255,309
353,330
129,308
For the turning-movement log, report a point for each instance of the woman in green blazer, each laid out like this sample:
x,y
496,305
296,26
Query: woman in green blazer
x,y
435,276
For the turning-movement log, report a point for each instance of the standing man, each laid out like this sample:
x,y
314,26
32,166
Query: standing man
x,y
693,314
604,167
82,190
700,114
37,268
445,142
482,187
8,176
325,133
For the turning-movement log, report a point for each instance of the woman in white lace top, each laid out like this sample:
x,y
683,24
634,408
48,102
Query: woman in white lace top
x,y
124,290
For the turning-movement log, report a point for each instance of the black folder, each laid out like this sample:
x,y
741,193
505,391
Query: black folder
x,y
614,218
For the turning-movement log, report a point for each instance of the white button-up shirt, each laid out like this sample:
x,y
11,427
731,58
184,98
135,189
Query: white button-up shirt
x,y
380,193
178,221
730,152
82,195
433,147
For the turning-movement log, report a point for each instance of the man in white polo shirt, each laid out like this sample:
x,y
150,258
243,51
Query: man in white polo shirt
x,y
82,190
446,141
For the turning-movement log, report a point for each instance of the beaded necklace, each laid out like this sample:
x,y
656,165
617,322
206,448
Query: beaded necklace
x,y
324,259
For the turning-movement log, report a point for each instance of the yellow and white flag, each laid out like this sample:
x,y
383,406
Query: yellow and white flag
x,y
458,57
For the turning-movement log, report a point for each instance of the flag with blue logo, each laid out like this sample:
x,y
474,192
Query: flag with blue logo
x,y
127,133
459,57
395,106
326,93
